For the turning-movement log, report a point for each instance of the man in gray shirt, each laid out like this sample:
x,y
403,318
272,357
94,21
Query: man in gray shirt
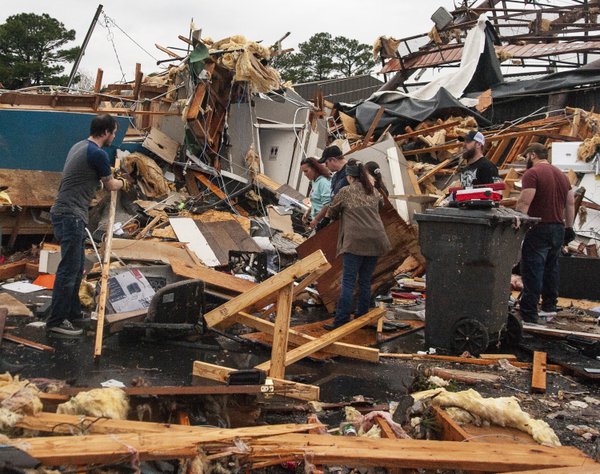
x,y
87,166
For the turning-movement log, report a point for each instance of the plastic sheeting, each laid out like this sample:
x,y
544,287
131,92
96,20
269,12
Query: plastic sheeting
x,y
409,111
479,69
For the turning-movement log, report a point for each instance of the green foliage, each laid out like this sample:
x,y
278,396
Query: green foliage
x,y
30,50
325,57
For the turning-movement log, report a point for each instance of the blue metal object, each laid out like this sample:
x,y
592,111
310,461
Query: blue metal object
x,y
40,139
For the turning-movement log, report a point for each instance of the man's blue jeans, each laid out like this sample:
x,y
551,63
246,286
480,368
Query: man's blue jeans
x,y
354,267
539,269
69,230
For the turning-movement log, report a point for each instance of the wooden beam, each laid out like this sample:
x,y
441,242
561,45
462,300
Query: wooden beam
x,y
11,270
301,286
167,51
27,343
285,388
534,328
465,360
139,75
561,470
418,454
98,83
265,289
196,103
433,171
426,131
215,190
538,373
101,449
297,338
281,330
333,336
211,277
372,128
3,316
450,429
105,270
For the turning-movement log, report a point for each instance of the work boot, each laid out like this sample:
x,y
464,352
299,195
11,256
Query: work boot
x,y
11,368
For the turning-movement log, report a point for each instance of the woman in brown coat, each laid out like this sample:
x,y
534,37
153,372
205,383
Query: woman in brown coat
x,y
361,239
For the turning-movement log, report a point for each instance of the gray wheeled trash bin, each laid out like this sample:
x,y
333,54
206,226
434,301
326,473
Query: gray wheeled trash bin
x,y
470,254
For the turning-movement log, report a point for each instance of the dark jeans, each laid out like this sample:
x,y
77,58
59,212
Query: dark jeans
x,y
69,230
539,269
354,267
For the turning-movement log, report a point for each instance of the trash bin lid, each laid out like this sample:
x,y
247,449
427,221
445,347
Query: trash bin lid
x,y
491,216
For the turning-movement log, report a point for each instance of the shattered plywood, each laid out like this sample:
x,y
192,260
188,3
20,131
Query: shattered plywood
x,y
224,236
161,145
13,305
149,251
28,188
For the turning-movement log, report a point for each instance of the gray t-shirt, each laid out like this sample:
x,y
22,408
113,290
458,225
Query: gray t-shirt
x,y
86,164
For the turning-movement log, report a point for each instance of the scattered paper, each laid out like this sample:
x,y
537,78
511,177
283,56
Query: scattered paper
x,y
22,287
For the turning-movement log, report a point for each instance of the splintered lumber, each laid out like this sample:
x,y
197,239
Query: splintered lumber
x,y
11,270
105,270
285,388
150,251
210,277
589,469
417,454
450,430
464,376
386,429
333,336
68,424
465,360
93,449
27,343
265,289
3,315
281,330
534,328
538,373
297,338
433,171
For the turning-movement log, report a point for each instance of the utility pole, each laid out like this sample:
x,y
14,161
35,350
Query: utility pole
x,y
84,45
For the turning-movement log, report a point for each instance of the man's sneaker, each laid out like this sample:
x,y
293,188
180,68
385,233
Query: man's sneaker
x,y
547,316
66,328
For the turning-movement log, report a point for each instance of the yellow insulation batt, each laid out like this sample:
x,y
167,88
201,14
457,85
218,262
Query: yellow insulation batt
x,y
19,396
502,411
105,402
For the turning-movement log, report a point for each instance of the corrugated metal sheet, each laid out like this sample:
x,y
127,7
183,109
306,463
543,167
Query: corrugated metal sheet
x,y
450,54
347,89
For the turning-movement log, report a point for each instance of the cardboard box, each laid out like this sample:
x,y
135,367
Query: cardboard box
x,y
129,291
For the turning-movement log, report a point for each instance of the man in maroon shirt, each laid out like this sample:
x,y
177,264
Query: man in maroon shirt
x,y
546,194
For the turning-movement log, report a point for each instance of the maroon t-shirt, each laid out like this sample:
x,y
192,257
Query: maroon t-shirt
x,y
551,189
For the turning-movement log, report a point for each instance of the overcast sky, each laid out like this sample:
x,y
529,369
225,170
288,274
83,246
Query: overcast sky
x,y
150,22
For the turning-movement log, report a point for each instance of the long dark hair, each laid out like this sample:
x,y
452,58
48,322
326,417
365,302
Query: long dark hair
x,y
356,169
320,169
375,171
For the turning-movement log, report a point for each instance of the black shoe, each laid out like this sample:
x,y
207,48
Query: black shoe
x,y
331,327
65,328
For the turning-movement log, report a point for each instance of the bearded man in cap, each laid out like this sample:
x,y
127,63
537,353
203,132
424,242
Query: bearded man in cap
x,y
478,169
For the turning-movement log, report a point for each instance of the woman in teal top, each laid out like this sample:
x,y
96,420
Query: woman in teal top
x,y
320,190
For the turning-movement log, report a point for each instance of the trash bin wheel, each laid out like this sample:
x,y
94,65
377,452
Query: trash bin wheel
x,y
469,335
